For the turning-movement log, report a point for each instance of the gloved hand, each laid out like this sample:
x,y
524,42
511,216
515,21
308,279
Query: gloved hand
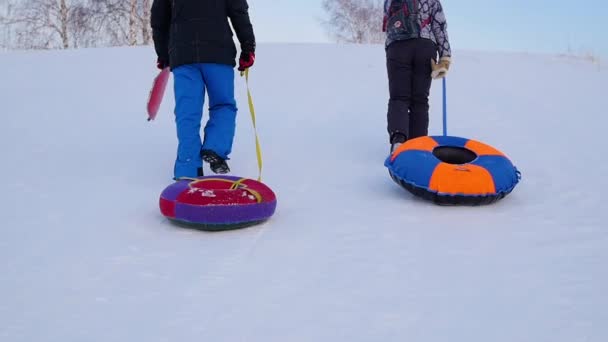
x,y
440,69
246,60
162,63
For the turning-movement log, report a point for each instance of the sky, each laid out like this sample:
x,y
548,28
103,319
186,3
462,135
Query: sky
x,y
517,25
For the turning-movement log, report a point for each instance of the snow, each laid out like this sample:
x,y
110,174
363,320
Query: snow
x,y
349,255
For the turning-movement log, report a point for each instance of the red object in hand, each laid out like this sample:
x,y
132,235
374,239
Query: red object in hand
x,y
156,93
246,61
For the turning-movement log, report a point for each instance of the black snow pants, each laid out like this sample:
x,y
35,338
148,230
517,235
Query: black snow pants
x,y
408,64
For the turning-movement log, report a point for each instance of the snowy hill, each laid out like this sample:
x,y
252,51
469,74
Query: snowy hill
x,y
349,256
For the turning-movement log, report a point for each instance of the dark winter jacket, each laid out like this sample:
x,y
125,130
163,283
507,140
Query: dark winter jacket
x,y
197,31
407,19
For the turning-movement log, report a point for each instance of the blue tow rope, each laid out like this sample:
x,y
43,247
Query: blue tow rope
x,y
445,110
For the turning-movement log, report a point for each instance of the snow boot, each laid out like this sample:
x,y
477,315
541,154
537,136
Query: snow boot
x,y
217,163
397,139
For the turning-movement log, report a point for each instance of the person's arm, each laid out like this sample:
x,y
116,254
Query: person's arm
x,y
238,12
439,26
160,20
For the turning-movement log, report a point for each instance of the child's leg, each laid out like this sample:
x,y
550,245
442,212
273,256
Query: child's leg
x,y
399,63
219,130
189,90
421,86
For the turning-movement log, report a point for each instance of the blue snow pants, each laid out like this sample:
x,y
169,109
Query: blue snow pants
x,y
190,83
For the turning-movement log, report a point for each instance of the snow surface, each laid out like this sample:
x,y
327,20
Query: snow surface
x,y
85,254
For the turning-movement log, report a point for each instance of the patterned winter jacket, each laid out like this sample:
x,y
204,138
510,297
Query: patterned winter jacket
x,y
407,19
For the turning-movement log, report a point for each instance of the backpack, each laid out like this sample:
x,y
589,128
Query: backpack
x,y
401,18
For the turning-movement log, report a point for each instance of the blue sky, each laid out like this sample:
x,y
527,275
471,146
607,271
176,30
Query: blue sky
x,y
513,25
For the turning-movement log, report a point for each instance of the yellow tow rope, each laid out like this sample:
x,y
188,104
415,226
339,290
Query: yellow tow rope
x,y
258,149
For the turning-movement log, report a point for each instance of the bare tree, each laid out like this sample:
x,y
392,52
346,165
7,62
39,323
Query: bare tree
x,y
145,22
124,22
49,24
83,31
111,19
6,13
354,21
45,24
133,22
64,16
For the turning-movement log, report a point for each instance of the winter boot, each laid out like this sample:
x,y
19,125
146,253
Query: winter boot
x,y
217,163
397,139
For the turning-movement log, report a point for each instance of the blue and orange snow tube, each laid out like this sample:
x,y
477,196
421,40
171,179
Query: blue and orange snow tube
x,y
453,170
217,202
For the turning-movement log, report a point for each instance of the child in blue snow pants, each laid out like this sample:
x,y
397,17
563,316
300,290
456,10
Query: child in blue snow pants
x,y
191,81
194,39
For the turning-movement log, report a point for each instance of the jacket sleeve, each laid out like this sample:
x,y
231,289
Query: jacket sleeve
x,y
238,12
439,26
160,20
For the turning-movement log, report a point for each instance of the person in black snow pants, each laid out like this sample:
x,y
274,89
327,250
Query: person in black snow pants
x,y
416,34
194,39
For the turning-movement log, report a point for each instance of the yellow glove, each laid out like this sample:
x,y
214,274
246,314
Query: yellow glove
x,y
440,69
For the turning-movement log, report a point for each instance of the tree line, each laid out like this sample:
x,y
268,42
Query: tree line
x,y
65,24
